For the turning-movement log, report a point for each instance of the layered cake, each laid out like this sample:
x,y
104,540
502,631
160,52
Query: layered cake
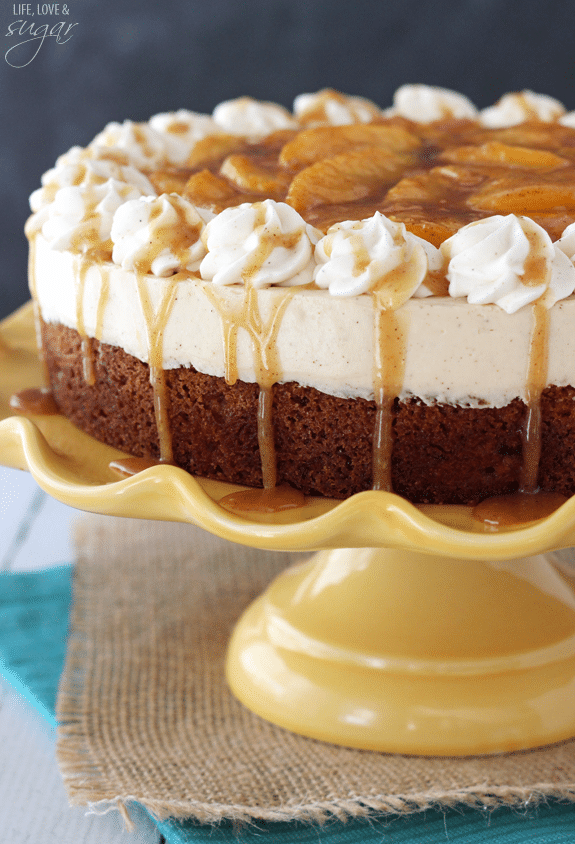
x,y
335,299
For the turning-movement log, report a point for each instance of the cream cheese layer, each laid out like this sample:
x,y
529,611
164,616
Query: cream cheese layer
x,y
455,353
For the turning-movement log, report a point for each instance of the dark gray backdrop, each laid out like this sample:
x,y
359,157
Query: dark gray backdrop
x,y
133,58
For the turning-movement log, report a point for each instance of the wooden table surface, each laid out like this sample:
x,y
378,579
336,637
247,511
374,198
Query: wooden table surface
x,y
34,535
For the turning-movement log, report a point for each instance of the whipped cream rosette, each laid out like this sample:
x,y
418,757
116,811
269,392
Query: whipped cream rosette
x,y
425,103
566,242
181,130
515,108
249,117
80,216
330,108
144,145
489,262
357,257
81,167
265,243
158,235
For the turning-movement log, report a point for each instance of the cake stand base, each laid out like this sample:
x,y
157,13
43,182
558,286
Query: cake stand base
x,y
404,652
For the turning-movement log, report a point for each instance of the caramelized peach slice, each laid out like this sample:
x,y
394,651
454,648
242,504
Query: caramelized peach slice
x,y
169,181
247,175
538,134
206,190
435,184
347,177
504,196
277,139
498,154
213,147
327,141
554,222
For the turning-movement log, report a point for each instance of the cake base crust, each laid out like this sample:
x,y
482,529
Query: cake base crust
x,y
441,454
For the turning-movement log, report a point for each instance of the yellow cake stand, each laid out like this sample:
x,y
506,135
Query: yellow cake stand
x,y
411,630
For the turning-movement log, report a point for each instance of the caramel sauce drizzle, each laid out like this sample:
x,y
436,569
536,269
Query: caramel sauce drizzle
x,y
266,441
517,508
536,382
268,371
181,237
263,336
389,347
537,270
265,358
36,309
103,298
83,264
265,500
155,327
529,503
231,321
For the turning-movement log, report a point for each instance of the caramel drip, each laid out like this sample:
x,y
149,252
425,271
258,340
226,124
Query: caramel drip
x,y
265,358
128,466
389,345
268,372
103,298
89,249
537,271
36,401
390,348
536,382
273,500
263,336
155,326
517,509
537,268
230,323
83,264
266,438
36,309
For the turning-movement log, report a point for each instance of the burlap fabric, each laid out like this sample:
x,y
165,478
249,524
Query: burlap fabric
x,y
146,716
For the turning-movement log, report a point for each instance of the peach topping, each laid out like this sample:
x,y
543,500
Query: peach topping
x,y
435,177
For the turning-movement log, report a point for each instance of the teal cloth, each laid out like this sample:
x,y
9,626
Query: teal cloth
x,y
33,627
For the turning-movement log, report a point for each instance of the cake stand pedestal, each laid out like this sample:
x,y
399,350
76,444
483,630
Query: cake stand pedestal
x,y
410,653
424,635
